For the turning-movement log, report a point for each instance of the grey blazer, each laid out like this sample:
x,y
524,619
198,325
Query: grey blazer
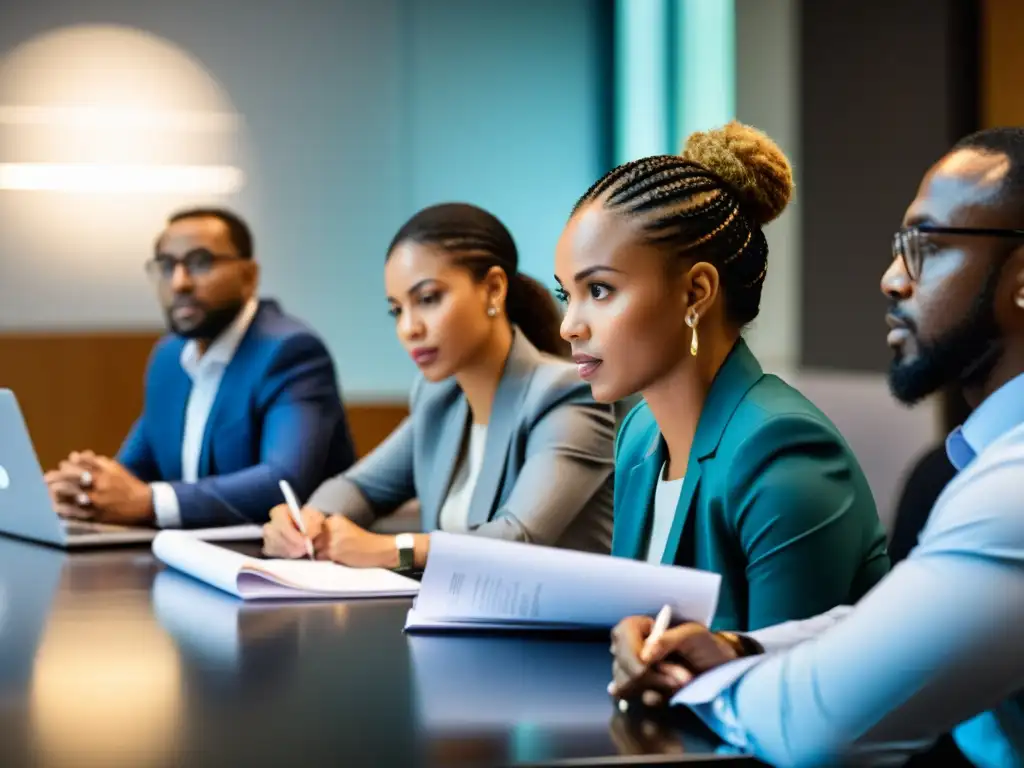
x,y
548,464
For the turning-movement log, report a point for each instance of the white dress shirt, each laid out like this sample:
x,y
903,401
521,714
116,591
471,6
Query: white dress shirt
x,y
206,370
934,646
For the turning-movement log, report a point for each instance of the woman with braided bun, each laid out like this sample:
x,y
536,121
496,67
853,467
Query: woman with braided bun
x,y
721,467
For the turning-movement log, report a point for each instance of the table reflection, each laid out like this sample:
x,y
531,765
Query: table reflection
x,y
100,679
529,699
234,645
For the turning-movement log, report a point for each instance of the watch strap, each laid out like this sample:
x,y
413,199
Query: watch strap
x,y
406,545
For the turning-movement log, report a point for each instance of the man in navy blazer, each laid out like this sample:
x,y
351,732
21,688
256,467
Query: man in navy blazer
x,y
237,398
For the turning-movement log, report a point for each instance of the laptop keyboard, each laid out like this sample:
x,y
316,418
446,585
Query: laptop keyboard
x,y
77,527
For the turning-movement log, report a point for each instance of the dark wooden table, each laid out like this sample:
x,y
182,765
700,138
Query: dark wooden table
x,y
107,659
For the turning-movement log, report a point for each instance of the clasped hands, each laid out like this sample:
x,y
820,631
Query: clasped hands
x,y
334,538
87,486
654,673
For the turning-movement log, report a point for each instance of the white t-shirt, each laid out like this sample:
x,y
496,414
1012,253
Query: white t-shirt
x,y
455,510
666,497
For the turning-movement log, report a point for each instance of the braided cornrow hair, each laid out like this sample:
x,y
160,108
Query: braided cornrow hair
x,y
708,204
479,241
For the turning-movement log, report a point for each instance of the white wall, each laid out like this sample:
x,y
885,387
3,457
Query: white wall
x,y
355,114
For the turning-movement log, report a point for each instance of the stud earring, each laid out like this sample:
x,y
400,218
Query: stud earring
x,y
492,311
1020,300
691,321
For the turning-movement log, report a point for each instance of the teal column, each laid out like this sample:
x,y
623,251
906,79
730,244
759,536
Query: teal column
x,y
675,72
642,107
705,66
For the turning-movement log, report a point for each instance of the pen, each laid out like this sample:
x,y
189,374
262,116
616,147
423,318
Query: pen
x,y
293,507
660,625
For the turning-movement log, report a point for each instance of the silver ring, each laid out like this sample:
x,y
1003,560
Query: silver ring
x,y
82,500
85,481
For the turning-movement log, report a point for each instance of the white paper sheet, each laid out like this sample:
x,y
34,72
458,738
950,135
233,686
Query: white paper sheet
x,y
470,579
227,533
253,579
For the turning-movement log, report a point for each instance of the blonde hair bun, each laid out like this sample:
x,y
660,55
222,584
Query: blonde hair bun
x,y
749,162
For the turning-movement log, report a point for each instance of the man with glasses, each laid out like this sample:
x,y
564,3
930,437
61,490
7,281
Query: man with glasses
x,y
936,644
237,398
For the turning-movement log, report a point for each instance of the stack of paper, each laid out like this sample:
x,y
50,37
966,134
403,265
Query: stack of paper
x,y
253,579
474,583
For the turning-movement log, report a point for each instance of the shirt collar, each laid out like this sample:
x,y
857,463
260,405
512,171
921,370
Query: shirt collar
x,y
223,347
998,414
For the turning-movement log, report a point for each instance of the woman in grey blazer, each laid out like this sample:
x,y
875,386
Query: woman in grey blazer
x,y
503,438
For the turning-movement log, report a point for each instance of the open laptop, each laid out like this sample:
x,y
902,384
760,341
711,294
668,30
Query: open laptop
x,y
25,507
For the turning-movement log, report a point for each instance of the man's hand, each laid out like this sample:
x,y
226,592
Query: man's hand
x,y
98,488
654,674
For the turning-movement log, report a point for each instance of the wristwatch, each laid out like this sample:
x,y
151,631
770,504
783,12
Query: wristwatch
x,y
406,551
743,645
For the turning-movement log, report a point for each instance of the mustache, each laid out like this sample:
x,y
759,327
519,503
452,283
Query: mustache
x,y
902,317
186,302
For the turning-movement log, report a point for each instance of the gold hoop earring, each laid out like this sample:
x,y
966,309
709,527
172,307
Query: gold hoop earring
x,y
691,320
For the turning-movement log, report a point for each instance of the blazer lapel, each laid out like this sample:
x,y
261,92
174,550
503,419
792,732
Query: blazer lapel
x,y
738,374
636,499
449,445
515,378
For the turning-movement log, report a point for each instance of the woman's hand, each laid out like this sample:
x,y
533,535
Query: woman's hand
x,y
656,672
346,543
282,539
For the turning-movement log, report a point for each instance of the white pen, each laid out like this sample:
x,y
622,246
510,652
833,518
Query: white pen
x,y
660,626
293,507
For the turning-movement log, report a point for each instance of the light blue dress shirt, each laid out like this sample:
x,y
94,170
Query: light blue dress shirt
x,y
935,646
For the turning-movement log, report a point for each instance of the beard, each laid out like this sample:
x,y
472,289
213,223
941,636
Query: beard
x,y
966,354
211,323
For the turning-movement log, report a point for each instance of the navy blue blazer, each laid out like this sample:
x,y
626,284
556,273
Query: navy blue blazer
x,y
277,415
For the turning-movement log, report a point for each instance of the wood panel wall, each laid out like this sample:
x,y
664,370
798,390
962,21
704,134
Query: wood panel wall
x,y
1002,63
84,390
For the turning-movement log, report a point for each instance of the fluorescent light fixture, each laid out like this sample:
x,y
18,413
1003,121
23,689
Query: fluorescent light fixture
x,y
119,118
121,179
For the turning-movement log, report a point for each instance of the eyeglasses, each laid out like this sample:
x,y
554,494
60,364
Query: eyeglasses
x,y
909,246
196,264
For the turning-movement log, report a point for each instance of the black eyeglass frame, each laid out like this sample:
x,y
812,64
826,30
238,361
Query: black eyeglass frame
x,y
905,246
196,264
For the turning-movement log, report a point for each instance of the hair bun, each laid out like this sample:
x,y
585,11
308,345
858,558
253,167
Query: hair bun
x,y
750,162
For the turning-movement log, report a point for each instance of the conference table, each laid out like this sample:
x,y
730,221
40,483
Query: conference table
x,y
109,659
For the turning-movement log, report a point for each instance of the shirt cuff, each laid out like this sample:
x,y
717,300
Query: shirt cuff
x,y
709,686
788,634
165,505
710,698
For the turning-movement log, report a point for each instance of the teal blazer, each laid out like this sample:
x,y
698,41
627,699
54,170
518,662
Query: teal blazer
x,y
773,500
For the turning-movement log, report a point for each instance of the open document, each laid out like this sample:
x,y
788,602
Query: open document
x,y
253,579
473,583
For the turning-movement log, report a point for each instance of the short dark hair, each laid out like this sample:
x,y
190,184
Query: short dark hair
x,y
1007,141
708,204
238,230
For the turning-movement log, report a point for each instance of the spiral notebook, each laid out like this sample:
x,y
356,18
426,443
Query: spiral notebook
x,y
251,578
